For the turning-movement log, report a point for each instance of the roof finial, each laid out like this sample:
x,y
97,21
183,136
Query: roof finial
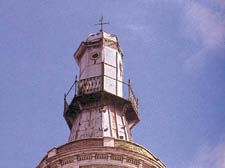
x,y
101,22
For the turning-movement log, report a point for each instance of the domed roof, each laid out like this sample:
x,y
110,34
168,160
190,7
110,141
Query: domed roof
x,y
100,35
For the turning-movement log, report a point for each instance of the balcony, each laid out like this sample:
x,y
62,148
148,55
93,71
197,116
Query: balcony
x,y
93,85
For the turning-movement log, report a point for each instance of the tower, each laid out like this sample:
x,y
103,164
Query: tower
x,y
99,108
101,114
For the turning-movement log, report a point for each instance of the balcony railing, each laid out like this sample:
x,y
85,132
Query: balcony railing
x,y
95,84
133,99
90,85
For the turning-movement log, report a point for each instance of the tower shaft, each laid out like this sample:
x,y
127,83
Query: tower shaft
x,y
102,118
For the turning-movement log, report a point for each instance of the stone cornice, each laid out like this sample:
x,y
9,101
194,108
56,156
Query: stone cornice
x,y
94,149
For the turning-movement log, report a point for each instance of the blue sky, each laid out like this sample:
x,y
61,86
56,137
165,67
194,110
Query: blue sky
x,y
174,54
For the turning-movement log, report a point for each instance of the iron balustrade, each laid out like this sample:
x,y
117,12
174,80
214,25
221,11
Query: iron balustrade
x,y
133,99
95,84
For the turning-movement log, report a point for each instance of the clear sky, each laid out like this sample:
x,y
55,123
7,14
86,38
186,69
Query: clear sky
x,y
174,54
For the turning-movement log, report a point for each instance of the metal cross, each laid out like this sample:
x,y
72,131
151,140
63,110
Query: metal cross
x,y
101,23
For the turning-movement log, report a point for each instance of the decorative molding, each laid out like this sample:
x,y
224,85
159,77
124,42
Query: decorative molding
x,y
93,151
109,157
129,146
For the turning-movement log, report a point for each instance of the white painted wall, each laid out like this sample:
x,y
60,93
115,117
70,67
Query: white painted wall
x,y
90,67
113,69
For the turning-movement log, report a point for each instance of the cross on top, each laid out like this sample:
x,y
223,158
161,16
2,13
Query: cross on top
x,y
101,23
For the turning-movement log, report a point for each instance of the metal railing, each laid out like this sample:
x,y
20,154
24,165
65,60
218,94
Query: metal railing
x,y
132,98
95,84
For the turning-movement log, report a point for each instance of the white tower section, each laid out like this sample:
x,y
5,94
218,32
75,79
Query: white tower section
x,y
99,108
101,57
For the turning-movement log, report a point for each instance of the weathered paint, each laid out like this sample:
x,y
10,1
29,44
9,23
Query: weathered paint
x,y
113,68
104,72
107,121
109,57
94,36
100,122
90,67
100,153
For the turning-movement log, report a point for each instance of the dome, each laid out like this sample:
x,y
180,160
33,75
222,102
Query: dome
x,y
97,36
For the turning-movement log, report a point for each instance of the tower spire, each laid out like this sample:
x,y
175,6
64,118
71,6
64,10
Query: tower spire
x,y
101,23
